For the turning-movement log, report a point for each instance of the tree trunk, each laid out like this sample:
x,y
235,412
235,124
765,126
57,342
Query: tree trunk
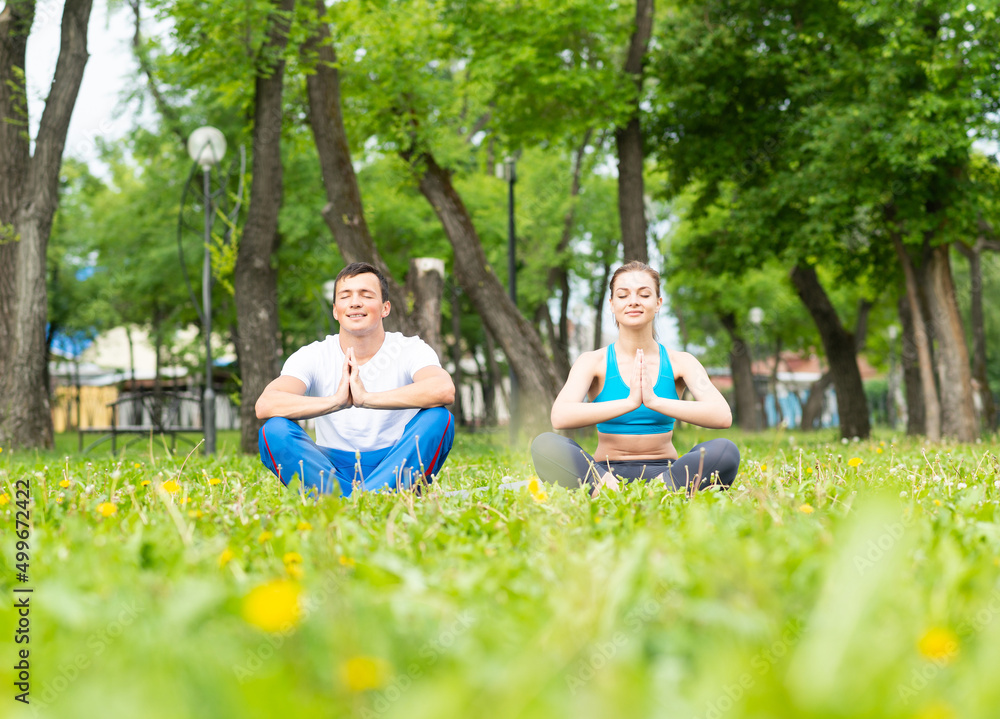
x,y
255,279
494,383
813,409
974,255
628,138
15,24
915,415
922,345
958,419
841,353
25,415
425,284
559,275
344,212
456,352
599,308
519,340
744,394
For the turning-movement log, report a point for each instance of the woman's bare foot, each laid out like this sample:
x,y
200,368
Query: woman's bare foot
x,y
607,480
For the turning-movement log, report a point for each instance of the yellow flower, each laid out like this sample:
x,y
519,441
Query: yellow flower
x,y
171,487
938,644
597,520
65,483
264,536
362,674
1,449
878,450
226,557
537,490
855,461
137,465
346,561
185,500
937,710
197,513
273,606
59,500
292,558
763,467
937,502
806,509
882,443
143,483
107,508
809,470
295,571
4,499
215,480
304,526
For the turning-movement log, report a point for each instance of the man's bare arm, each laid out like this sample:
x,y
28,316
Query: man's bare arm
x,y
285,397
431,387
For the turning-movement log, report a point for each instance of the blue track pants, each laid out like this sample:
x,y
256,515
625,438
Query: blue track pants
x,y
287,450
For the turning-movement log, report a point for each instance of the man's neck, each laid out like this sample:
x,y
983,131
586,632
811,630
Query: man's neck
x,y
365,346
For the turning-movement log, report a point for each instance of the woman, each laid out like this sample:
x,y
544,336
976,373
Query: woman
x,y
635,419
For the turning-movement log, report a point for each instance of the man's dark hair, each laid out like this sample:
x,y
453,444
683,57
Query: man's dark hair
x,y
362,268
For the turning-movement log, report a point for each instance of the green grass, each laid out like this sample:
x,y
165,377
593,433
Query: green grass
x,y
813,588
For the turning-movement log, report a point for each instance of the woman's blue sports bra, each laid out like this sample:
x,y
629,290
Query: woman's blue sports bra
x,y
642,420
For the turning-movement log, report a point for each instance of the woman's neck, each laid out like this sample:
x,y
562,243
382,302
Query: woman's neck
x,y
631,340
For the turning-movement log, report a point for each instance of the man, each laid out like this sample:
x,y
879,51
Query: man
x,y
378,398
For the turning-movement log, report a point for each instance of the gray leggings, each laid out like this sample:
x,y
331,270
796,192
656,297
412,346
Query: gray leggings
x,y
562,461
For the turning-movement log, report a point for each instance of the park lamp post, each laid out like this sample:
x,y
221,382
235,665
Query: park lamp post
x,y
512,283
206,146
756,316
891,403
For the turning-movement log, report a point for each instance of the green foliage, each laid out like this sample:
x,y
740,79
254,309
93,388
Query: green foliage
x,y
834,579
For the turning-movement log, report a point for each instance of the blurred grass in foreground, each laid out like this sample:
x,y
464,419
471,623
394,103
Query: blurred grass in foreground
x,y
835,579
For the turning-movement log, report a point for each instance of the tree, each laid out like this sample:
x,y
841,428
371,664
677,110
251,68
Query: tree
x,y
29,191
256,285
628,139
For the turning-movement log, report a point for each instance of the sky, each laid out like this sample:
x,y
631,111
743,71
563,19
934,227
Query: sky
x,y
98,111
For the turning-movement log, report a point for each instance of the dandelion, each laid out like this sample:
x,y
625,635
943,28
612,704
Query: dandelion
x,y
137,465
107,508
938,644
273,606
143,483
346,561
185,500
65,483
264,536
763,467
304,526
4,499
171,487
295,571
1,450
196,513
806,509
937,502
214,480
878,450
537,490
226,557
361,674
855,461
292,558
809,470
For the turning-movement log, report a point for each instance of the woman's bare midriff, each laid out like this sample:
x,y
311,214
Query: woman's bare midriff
x,y
623,447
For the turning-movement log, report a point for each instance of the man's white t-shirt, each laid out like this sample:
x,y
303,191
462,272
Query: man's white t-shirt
x,y
319,366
